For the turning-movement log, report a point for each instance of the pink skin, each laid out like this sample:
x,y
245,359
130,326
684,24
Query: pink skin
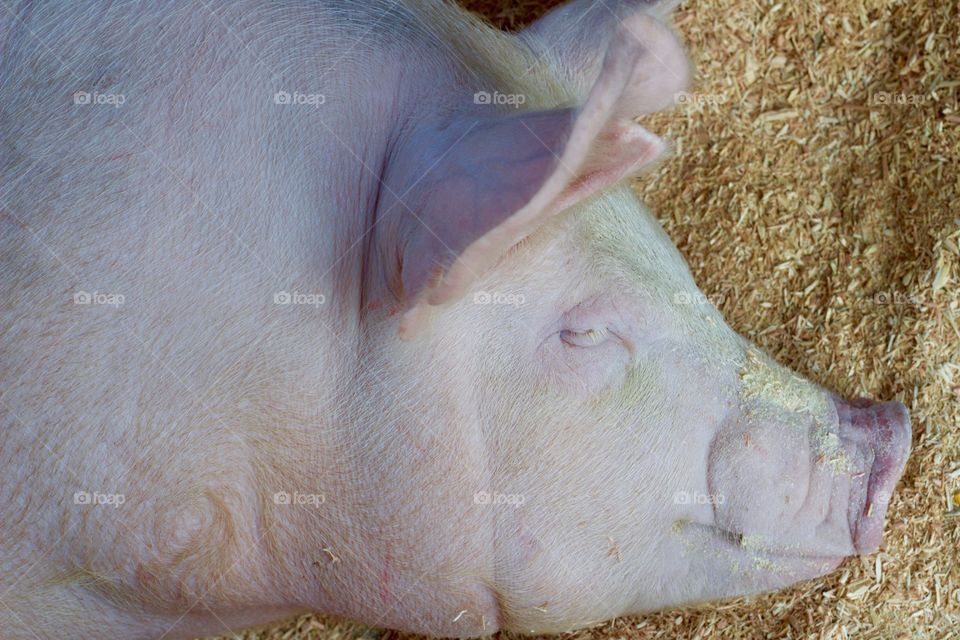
x,y
838,514
597,401
881,431
787,513
875,441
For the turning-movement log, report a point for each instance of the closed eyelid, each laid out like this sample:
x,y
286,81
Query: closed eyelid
x,y
586,337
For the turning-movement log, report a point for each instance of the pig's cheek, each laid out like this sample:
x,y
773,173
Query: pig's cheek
x,y
584,371
770,482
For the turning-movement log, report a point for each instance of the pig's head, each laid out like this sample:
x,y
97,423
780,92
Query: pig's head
x,y
658,457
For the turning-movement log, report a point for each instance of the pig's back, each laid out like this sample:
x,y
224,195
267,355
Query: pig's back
x,y
150,225
183,195
148,156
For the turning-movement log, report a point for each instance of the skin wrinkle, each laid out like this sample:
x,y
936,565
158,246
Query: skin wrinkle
x,y
806,495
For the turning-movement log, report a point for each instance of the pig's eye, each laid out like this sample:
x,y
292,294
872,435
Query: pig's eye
x,y
586,361
587,338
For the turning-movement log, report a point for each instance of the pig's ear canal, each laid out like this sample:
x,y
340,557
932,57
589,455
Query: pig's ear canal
x,y
468,189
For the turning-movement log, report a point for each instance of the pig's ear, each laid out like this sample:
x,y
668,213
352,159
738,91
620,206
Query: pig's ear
x,y
575,36
490,182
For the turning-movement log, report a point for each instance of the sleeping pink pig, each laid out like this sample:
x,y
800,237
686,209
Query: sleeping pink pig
x,y
347,307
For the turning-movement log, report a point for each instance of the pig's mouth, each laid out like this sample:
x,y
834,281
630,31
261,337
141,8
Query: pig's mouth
x,y
881,430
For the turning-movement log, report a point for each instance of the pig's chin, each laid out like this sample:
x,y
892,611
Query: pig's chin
x,y
881,431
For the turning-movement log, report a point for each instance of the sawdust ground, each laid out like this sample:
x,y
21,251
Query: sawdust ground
x,y
814,192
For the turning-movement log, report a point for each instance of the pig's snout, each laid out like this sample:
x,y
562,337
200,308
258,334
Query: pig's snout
x,y
812,481
881,430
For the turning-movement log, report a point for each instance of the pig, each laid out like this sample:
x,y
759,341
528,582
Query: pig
x,y
348,307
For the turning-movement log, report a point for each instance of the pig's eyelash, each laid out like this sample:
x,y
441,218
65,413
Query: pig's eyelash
x,y
587,338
